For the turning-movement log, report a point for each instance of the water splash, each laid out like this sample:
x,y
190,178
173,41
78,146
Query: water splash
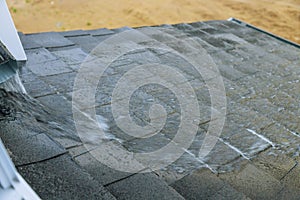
x,y
14,84
261,137
235,149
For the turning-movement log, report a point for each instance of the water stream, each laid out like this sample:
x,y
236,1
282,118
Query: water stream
x,y
13,84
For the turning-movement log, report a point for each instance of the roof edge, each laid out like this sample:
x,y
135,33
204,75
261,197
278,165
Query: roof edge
x,y
263,31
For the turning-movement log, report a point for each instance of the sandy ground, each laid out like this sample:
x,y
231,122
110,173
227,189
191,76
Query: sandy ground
x,y
281,17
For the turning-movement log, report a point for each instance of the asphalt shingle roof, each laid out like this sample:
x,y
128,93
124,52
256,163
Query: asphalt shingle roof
x,y
256,156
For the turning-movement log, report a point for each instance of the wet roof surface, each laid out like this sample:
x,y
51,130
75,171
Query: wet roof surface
x,y
256,156
3,56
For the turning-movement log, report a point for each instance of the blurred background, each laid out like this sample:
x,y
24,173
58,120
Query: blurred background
x,y
281,17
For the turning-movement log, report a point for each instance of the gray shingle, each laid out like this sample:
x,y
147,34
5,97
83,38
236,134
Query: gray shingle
x,y
29,150
86,42
61,82
100,32
71,56
202,184
74,33
119,30
61,178
254,183
143,186
35,86
101,38
38,56
50,68
28,43
57,103
102,173
50,40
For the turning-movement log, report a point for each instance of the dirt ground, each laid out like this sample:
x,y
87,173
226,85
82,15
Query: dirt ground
x,y
281,17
